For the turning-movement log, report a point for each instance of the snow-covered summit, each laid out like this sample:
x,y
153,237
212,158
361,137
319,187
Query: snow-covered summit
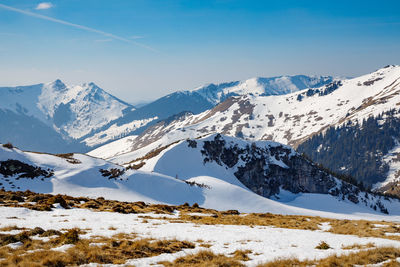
x,y
289,119
56,109
58,85
280,85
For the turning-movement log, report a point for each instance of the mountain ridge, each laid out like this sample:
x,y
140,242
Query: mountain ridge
x,y
209,186
290,119
86,116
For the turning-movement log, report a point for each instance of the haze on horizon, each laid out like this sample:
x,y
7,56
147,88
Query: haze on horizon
x,y
142,50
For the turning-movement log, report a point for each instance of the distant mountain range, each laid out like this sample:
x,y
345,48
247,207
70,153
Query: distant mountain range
x,y
294,119
55,117
338,139
316,115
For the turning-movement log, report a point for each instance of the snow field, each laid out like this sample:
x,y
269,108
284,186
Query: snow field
x,y
265,243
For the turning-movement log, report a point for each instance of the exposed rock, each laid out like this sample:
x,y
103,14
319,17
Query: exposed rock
x,y
267,170
15,167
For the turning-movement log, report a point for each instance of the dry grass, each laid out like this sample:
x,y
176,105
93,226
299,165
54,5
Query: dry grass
x,y
205,258
323,245
71,236
292,262
122,247
358,246
101,250
45,202
253,219
363,228
359,228
364,257
241,255
69,157
10,228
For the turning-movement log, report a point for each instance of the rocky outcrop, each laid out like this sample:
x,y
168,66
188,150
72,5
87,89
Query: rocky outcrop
x,y
268,169
13,167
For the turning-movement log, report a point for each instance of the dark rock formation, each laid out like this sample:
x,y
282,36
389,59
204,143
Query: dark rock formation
x,y
267,170
13,167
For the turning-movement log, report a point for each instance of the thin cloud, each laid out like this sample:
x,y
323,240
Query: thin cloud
x,y
134,37
77,26
44,5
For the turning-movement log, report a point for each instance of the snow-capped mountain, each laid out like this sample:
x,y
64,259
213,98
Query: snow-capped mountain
x,y
179,175
265,167
205,97
56,117
78,110
290,119
216,93
73,110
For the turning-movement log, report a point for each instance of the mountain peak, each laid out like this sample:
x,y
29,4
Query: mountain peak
x,y
58,85
92,84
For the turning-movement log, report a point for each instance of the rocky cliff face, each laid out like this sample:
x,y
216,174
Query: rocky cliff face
x,y
268,170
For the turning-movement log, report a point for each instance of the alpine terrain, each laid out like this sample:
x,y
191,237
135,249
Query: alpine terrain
x,y
310,120
56,117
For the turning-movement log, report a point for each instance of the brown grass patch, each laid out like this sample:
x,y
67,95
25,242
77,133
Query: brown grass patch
x,y
204,258
359,228
241,255
101,250
10,228
69,157
253,219
323,245
359,246
45,202
364,257
363,228
292,262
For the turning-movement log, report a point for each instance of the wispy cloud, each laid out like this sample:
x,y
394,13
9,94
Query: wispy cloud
x,y
44,5
77,26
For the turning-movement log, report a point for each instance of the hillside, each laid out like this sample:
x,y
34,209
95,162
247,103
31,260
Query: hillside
x,y
368,151
173,181
206,97
47,230
54,116
290,119
76,118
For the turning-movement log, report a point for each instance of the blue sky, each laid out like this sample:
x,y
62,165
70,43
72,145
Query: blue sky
x,y
141,50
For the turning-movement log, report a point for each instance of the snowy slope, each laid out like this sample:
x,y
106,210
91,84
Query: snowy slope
x,y
63,113
72,118
82,178
78,110
267,168
73,110
265,243
288,119
205,97
281,85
